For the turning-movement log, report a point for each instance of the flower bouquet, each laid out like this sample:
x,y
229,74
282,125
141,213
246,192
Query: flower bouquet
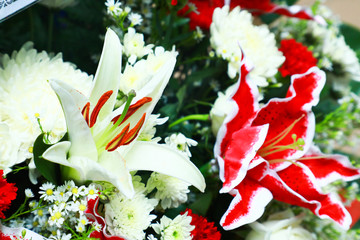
x,y
189,119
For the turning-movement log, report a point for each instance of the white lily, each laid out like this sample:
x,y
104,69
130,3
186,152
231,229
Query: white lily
x,y
102,145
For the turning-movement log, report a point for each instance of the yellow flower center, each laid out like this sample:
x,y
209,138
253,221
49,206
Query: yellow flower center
x,y
49,192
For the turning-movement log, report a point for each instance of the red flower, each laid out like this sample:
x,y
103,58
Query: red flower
x,y
205,9
204,230
7,194
267,153
298,59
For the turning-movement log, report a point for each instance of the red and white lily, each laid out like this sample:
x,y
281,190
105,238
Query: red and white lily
x,y
102,143
267,153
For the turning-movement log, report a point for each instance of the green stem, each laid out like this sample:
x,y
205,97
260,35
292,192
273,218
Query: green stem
x,y
199,117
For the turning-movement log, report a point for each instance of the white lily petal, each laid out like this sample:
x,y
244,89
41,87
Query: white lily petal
x,y
160,158
154,89
79,98
58,154
82,143
115,166
108,73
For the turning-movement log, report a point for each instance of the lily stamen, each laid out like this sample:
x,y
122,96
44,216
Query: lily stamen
x,y
294,161
270,145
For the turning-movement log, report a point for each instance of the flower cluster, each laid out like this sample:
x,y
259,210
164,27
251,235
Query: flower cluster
x,y
198,119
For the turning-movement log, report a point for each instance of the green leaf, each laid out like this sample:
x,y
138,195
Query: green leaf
x,y
49,170
351,35
202,204
180,96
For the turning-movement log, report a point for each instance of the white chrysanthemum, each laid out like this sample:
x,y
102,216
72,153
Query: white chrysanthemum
x,y
344,60
26,97
9,149
170,191
134,44
135,19
58,3
180,142
231,29
177,229
221,109
129,218
149,130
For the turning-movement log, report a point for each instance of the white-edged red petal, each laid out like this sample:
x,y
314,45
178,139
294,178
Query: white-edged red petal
x,y
297,185
245,106
247,206
242,149
328,168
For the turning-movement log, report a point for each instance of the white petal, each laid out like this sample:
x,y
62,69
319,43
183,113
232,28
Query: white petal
x,y
79,99
117,173
82,143
108,73
163,159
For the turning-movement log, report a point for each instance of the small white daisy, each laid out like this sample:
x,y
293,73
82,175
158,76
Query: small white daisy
x,y
79,206
113,7
91,192
29,193
47,192
57,215
135,19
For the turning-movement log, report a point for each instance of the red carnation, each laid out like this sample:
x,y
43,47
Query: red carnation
x,y
7,194
204,11
204,230
298,59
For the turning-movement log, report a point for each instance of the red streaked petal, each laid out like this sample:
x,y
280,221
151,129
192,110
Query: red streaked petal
x,y
245,105
303,94
297,185
266,6
329,168
305,89
131,135
133,108
247,206
118,140
86,112
95,112
244,145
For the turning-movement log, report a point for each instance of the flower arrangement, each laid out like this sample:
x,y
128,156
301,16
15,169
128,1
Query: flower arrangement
x,y
189,119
